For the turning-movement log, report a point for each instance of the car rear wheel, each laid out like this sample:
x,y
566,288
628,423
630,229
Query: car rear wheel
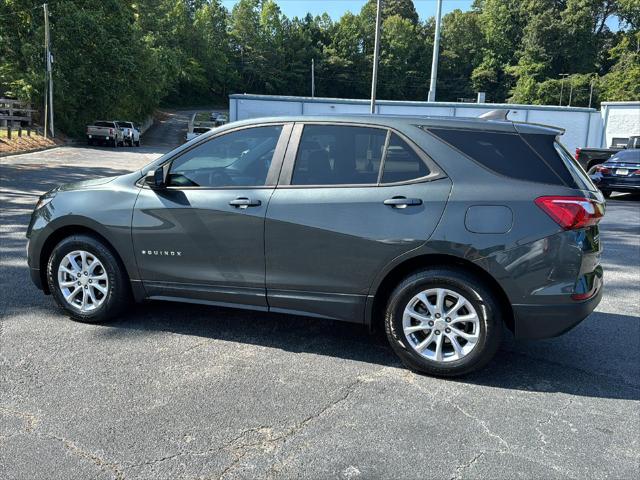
x,y
86,279
443,322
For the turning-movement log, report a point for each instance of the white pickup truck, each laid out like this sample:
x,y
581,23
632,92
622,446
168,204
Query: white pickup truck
x,y
130,133
104,132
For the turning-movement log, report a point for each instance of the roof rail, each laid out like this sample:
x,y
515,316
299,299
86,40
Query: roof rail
x,y
495,115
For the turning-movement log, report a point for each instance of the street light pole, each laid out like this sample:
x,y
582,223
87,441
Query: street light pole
x,y
376,51
570,90
562,76
49,78
436,53
313,77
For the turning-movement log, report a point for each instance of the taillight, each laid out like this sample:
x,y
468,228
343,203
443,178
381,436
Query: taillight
x,y
637,172
572,213
578,150
602,169
111,131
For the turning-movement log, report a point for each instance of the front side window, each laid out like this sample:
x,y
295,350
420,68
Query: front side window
x,y
237,159
339,155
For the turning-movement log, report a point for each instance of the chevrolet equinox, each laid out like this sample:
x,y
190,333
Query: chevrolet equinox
x,y
441,231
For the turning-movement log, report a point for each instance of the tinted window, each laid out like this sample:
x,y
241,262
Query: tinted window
x,y
237,159
104,124
545,146
402,163
504,153
338,155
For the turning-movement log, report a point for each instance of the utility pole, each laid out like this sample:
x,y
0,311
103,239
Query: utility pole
x,y
376,51
49,78
313,78
436,53
591,91
562,76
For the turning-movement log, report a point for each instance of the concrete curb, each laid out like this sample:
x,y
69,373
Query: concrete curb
x,y
35,150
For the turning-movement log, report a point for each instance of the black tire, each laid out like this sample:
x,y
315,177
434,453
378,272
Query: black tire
x,y
138,143
90,142
114,144
118,294
606,193
462,282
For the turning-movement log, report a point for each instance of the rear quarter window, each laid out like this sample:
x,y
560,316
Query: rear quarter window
x,y
503,153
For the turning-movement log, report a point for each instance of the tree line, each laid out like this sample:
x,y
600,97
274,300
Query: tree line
x,y
122,59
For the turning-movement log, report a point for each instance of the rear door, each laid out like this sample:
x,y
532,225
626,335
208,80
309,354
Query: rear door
x,y
351,198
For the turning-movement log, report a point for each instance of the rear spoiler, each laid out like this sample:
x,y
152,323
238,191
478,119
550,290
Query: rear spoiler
x,y
502,115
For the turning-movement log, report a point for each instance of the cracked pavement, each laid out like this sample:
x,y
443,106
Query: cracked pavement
x,y
187,391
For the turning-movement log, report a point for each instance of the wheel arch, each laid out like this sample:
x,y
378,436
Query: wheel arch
x,y
66,231
380,295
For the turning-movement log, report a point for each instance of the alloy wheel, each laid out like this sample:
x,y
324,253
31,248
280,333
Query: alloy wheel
x,y
83,280
441,325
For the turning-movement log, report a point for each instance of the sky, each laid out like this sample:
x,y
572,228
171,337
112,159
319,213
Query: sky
x,y
337,8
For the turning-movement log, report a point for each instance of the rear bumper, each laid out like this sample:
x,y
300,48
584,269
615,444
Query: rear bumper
x,y
545,321
100,138
619,188
619,184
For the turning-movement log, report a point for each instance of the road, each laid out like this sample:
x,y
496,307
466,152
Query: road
x,y
183,391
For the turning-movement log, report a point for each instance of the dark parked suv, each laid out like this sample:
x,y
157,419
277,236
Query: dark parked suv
x,y
439,230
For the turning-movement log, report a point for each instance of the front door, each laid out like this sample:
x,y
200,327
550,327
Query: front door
x,y
203,236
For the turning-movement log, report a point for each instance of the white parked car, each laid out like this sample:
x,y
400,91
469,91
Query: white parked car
x,y
197,131
130,133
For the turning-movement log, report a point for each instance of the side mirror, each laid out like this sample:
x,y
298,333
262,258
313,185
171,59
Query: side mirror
x,y
156,179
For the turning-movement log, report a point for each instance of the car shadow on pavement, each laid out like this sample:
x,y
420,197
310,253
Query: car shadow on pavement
x,y
20,180
553,365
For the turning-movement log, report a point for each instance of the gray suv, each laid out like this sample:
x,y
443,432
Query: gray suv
x,y
441,231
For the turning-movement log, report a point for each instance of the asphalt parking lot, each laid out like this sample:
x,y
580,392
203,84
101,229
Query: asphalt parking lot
x,y
183,391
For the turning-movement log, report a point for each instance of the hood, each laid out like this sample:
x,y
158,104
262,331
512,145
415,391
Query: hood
x,y
86,184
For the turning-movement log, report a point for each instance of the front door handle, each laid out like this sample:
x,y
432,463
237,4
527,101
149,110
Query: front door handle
x,y
244,202
402,202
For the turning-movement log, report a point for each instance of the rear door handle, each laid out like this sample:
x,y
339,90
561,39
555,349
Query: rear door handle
x,y
244,202
402,202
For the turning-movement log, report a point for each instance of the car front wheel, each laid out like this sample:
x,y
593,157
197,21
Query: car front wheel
x,y
86,279
443,322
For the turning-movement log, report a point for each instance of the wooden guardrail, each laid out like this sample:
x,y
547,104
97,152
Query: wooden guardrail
x,y
13,112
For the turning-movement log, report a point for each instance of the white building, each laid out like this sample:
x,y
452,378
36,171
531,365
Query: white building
x,y
585,127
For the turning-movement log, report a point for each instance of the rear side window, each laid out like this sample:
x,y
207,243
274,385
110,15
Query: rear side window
x,y
402,163
504,153
559,160
544,145
338,155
